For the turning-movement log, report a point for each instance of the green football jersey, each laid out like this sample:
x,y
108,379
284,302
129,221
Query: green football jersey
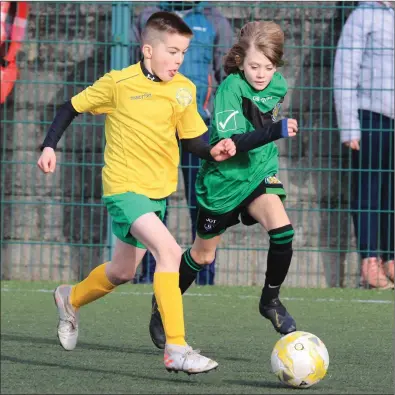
x,y
239,108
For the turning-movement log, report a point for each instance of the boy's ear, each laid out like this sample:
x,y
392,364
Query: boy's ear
x,y
147,51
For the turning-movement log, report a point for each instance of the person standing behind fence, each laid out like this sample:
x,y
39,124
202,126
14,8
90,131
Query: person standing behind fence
x,y
364,99
213,37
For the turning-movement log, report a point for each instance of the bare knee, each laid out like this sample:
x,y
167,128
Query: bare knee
x,y
119,274
203,256
168,256
124,262
125,277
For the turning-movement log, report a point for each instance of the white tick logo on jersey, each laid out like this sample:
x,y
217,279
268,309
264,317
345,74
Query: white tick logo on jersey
x,y
226,120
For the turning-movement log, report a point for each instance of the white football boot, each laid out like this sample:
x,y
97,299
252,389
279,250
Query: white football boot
x,y
68,318
185,359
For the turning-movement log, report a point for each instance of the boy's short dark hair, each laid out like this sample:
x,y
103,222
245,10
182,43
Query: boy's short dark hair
x,y
166,22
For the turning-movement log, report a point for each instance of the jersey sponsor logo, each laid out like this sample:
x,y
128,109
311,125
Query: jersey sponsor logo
x,y
275,112
226,120
184,97
141,97
262,99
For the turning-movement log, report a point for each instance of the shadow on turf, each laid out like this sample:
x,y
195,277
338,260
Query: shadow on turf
x,y
178,379
83,345
255,383
99,347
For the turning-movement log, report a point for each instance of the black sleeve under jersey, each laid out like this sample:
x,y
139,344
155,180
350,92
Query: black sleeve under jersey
x,y
198,147
262,136
62,120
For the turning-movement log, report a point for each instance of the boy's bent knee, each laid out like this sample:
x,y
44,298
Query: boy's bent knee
x,y
203,257
168,257
117,275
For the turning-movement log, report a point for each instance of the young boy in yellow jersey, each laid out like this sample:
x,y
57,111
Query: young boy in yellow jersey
x,y
146,105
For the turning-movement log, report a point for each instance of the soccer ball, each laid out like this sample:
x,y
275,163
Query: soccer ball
x,y
300,359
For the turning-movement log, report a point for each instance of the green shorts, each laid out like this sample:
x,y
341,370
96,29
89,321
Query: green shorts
x,y
209,225
125,208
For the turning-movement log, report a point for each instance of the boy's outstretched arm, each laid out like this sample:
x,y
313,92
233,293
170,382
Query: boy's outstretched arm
x,y
223,150
265,135
62,120
96,99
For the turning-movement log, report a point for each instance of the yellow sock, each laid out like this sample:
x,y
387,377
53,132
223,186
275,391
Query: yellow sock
x,y
169,299
93,287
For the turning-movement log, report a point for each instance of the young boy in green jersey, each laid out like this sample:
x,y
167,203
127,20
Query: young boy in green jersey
x,y
146,105
246,186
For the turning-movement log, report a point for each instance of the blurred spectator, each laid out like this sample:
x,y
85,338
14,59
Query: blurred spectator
x,y
213,36
13,23
364,99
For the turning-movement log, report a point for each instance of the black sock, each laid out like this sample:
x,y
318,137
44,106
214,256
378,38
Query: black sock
x,y
188,270
278,261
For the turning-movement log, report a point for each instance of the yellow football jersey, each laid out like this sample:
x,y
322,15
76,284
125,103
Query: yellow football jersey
x,y
142,119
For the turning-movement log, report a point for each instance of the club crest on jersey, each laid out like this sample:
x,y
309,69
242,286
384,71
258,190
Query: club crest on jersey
x,y
271,180
275,112
184,97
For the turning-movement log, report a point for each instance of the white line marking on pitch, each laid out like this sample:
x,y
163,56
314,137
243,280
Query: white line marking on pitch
x,y
374,301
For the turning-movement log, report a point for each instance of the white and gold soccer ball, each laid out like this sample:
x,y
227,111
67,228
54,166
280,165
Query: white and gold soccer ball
x,y
300,359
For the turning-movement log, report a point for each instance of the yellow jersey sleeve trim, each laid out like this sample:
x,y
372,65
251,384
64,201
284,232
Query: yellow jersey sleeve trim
x,y
199,129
